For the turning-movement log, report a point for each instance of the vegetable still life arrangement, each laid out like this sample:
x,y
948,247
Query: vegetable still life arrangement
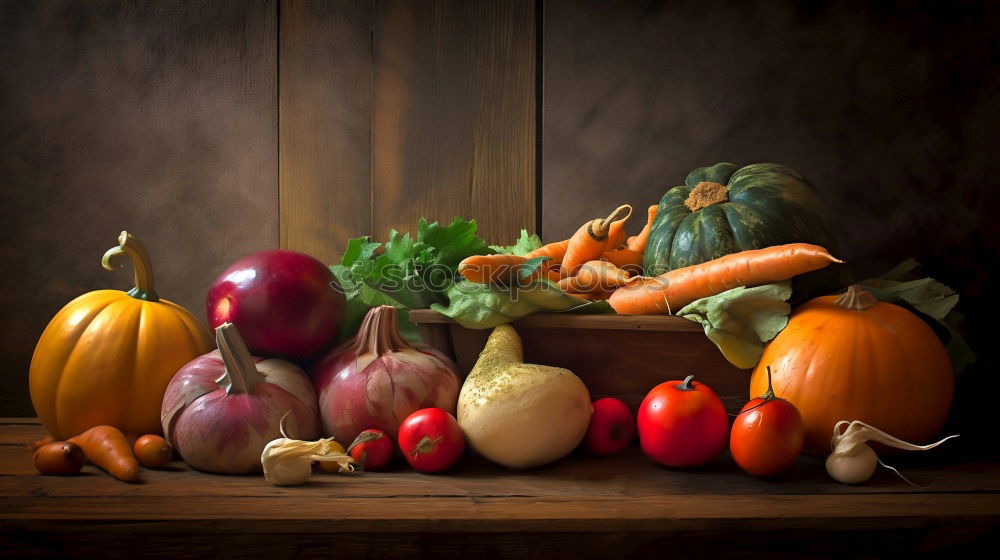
x,y
320,369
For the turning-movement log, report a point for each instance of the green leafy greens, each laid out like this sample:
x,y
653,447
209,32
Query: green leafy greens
x,y
484,306
524,245
408,273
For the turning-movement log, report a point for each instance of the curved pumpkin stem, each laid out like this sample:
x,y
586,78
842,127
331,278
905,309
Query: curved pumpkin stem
x,y
141,265
857,298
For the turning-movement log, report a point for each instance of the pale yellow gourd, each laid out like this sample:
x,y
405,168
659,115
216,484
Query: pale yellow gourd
x,y
521,415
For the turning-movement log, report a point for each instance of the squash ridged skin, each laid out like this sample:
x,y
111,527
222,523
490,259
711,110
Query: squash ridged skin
x,y
769,204
106,358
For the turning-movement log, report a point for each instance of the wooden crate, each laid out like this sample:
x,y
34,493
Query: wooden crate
x,y
615,355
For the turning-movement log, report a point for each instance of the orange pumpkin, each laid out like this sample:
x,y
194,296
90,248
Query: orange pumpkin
x,y
852,357
107,356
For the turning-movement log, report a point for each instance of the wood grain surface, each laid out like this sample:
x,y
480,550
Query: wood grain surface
x,y
454,115
476,504
154,117
325,107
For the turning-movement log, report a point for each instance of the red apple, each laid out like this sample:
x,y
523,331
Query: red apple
x,y
284,303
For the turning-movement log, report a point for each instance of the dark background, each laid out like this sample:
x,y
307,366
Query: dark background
x,y
211,130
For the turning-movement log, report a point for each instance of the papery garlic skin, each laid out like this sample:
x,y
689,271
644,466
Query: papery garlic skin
x,y
288,462
853,461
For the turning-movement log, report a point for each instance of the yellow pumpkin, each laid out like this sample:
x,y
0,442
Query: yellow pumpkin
x,y
852,357
108,355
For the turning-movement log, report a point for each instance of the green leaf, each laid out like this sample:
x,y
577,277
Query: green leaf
x,y
741,320
359,248
452,243
408,273
484,306
360,298
524,245
530,266
930,300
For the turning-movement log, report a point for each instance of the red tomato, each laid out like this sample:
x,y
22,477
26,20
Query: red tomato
x,y
431,440
611,427
682,424
373,448
767,435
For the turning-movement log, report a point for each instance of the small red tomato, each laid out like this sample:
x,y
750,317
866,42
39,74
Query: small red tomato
x,y
372,448
431,440
682,424
611,427
767,435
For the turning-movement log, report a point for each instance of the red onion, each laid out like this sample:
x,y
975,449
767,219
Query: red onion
x,y
221,409
377,379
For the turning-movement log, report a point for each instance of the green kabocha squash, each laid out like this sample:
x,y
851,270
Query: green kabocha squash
x,y
723,209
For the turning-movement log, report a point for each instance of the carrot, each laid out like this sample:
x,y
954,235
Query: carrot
x,y
592,296
554,251
553,274
596,276
488,269
617,233
107,447
638,242
591,240
671,291
41,442
625,259
59,457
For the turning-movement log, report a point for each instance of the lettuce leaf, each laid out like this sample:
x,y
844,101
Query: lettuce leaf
x,y
741,320
408,273
524,245
484,306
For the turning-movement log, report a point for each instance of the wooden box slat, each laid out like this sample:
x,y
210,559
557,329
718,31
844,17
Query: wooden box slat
x,y
615,355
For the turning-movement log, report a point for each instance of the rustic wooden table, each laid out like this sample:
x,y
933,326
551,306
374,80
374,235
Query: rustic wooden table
x,y
581,506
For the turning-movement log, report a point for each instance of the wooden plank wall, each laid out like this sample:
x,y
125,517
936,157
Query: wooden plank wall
x,y
155,117
399,109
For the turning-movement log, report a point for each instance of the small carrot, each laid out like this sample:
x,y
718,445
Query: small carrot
x,y
591,240
107,447
41,442
638,242
489,269
59,457
673,290
625,259
554,251
553,274
592,296
596,276
617,233
153,451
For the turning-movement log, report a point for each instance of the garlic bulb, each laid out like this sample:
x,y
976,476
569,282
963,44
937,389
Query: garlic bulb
x,y
853,461
288,462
